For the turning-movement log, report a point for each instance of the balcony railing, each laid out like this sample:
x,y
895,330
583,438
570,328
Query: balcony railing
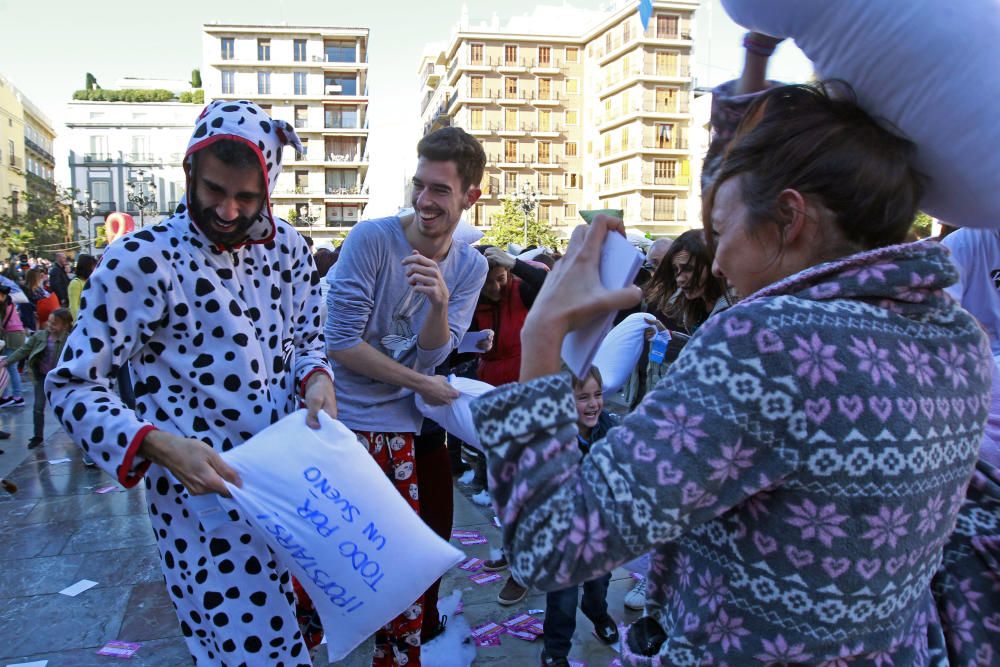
x,y
39,149
344,157
299,123
680,106
105,207
344,191
97,157
682,71
144,158
672,180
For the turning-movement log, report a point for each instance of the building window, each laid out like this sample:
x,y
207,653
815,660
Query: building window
x,y
627,31
572,86
510,150
571,117
341,51
544,185
339,117
545,89
572,54
667,27
228,48
299,50
570,210
476,86
607,144
570,149
666,100
664,208
664,135
667,63
544,120
624,172
510,87
510,54
340,85
544,56
263,49
510,182
476,118
300,83
266,108
477,215
544,152
510,119
301,118
664,172
625,141
475,54
228,82
543,212
263,83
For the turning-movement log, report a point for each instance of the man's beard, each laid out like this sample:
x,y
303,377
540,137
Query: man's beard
x,y
206,218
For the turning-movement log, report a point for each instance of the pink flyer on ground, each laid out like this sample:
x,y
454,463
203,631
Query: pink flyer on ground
x,y
471,565
466,541
486,577
118,649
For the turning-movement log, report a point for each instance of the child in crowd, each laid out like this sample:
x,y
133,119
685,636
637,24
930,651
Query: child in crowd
x,y
42,350
592,423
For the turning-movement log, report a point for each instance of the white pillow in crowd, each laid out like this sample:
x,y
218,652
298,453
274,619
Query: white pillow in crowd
x,y
466,233
619,353
336,521
456,418
927,66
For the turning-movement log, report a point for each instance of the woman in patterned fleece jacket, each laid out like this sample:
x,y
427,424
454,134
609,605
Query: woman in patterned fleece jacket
x,y
801,466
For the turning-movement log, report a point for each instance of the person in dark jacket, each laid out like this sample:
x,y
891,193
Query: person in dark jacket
x,y
59,279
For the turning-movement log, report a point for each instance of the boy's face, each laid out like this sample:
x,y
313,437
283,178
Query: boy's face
x,y
589,403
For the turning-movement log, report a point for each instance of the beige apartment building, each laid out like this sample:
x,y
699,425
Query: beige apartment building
x,y
599,118
316,78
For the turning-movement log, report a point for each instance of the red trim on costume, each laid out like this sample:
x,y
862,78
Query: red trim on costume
x,y
127,478
318,369
204,143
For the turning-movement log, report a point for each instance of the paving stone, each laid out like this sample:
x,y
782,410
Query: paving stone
x,y
39,576
149,614
103,534
46,539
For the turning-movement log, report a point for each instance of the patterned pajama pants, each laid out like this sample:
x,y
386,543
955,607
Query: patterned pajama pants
x,y
398,643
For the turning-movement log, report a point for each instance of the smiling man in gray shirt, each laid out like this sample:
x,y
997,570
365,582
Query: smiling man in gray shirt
x,y
401,297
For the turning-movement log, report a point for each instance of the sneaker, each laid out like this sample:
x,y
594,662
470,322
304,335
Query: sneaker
x,y
512,592
551,661
87,461
4,435
6,402
8,486
635,599
607,630
34,442
496,564
434,632
12,402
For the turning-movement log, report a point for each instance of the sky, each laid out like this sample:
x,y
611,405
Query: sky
x,y
48,46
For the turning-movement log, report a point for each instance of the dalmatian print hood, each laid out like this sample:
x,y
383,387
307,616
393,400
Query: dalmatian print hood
x,y
246,122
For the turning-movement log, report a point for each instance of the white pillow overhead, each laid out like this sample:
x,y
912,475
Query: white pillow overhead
x,y
930,67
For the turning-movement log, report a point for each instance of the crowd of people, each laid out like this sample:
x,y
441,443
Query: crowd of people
x,y
809,478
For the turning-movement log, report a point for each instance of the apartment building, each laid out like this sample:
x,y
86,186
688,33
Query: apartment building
x,y
593,116
317,79
115,146
39,161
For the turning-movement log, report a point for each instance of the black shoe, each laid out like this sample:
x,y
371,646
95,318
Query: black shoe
x,y
550,661
4,435
607,630
434,632
496,564
8,486
511,593
34,442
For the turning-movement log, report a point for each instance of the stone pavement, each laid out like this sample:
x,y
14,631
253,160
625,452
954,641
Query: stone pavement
x,y
56,531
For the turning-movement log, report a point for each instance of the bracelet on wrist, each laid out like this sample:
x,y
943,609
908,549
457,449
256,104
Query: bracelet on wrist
x,y
758,47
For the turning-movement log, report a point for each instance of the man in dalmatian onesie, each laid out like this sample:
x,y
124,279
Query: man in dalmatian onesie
x,y
217,310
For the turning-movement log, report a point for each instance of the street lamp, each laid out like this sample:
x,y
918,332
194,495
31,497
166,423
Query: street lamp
x,y
86,208
308,218
527,201
142,194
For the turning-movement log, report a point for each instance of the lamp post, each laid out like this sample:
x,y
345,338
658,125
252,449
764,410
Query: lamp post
x,y
527,200
142,194
86,208
307,217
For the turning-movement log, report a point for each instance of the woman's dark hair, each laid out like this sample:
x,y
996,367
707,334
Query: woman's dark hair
x,y
325,260
85,266
33,276
453,144
662,291
815,139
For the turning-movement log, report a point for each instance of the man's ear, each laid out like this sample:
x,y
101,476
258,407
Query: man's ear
x,y
472,195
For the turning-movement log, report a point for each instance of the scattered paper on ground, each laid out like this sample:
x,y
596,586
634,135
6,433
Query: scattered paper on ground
x,y
119,649
105,489
56,461
78,587
36,663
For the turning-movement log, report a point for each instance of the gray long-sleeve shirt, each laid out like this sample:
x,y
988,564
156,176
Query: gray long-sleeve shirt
x,y
370,301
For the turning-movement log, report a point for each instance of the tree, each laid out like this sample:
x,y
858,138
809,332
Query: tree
x,y
38,227
922,225
508,227
196,78
91,82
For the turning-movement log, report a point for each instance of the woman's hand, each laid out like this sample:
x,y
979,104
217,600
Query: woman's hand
x,y
571,298
655,327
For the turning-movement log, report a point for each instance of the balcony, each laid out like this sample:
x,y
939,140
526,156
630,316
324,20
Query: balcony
x,y
346,192
614,117
143,158
613,82
547,67
39,149
105,207
98,157
16,163
546,162
509,160
679,181
513,66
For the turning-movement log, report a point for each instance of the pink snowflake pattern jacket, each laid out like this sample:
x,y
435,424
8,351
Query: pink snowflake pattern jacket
x,y
795,475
